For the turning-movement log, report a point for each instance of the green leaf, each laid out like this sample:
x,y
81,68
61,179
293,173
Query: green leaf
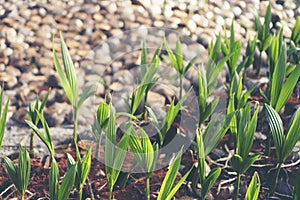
x,y
53,180
278,77
12,172
237,162
46,136
144,59
292,136
147,150
3,116
277,131
214,133
171,56
202,90
267,21
85,166
148,80
67,183
295,37
254,188
247,162
246,137
103,115
62,77
88,92
178,185
210,108
201,156
120,155
69,70
44,101
23,168
170,117
215,49
246,96
179,56
110,141
287,88
170,177
210,180
191,63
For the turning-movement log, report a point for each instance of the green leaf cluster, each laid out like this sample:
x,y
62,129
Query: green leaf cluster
x,y
61,191
283,77
231,47
246,127
284,143
114,154
19,175
167,190
253,188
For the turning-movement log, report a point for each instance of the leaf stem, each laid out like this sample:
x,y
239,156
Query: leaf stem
x,y
148,188
80,193
97,149
75,126
276,178
180,85
145,104
237,187
31,152
109,195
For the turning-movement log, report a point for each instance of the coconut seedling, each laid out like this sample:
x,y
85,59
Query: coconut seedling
x,y
248,58
178,63
68,80
33,110
61,191
205,108
207,81
168,189
237,100
100,125
283,77
145,153
231,47
284,143
45,136
253,188
114,154
83,166
294,42
241,161
19,175
205,142
149,78
3,116
263,35
144,68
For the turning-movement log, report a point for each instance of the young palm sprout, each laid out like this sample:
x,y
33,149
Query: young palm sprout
x,y
284,143
19,175
33,111
263,35
167,191
241,160
177,62
68,79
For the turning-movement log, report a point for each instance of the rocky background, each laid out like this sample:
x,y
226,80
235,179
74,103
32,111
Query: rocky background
x,y
104,37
